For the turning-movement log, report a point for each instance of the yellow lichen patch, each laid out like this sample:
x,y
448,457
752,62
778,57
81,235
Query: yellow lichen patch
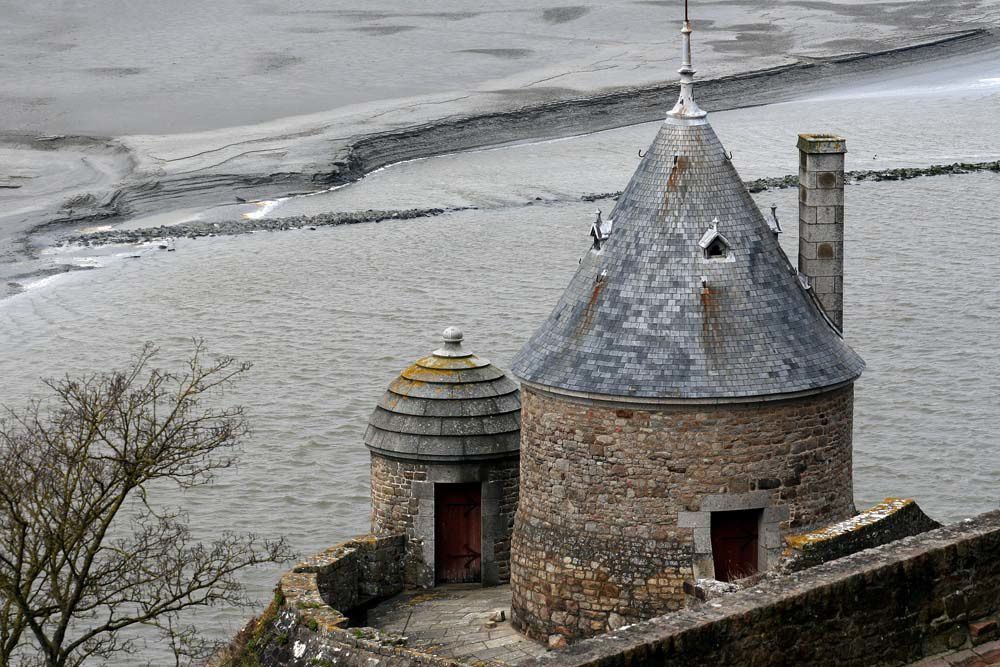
x,y
868,517
452,363
418,373
443,372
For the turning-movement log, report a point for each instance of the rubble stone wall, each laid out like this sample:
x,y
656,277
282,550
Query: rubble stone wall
x,y
891,520
331,585
891,605
597,542
402,502
309,622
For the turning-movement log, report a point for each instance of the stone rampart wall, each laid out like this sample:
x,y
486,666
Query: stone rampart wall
x,y
329,587
308,624
891,605
891,520
616,502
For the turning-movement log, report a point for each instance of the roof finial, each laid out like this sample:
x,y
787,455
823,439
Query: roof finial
x,y
686,107
452,344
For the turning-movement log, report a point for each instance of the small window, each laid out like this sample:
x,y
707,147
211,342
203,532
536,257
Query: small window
x,y
713,243
716,250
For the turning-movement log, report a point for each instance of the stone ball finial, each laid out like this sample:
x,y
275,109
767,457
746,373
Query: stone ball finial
x,y
452,344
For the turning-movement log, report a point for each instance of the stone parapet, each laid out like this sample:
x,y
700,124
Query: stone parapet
x,y
890,520
292,639
309,622
891,605
328,588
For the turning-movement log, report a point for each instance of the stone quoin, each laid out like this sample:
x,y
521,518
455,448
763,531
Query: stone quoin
x,y
688,402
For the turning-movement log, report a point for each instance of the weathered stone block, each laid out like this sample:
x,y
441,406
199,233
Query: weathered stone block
x,y
821,197
981,632
829,215
830,162
820,268
821,233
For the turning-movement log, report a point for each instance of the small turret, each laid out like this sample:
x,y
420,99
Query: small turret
x,y
444,441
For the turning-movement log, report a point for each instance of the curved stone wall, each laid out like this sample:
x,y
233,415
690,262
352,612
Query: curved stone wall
x,y
892,605
615,502
402,502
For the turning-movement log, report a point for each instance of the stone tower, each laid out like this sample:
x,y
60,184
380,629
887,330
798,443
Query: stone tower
x,y
444,447
685,404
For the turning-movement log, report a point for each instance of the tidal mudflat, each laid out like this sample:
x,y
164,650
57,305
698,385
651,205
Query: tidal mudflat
x,y
124,111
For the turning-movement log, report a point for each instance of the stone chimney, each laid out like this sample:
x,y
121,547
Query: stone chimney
x,y
821,219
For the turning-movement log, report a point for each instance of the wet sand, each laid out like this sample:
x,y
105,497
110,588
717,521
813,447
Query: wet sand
x,y
553,72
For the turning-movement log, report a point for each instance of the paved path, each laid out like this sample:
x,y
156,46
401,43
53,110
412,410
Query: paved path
x,y
986,655
454,620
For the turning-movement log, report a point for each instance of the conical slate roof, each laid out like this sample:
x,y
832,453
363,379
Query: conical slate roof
x,y
651,314
448,407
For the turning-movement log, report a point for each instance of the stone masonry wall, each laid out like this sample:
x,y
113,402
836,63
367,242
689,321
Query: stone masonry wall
x,y
302,628
891,605
396,506
597,542
509,477
332,584
891,520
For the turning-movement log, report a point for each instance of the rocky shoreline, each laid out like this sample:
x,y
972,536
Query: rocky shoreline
x,y
898,174
195,230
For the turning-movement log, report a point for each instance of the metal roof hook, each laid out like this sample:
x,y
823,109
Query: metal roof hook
x,y
728,155
641,154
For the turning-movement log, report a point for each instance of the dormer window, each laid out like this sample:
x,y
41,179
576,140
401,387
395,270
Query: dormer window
x,y
716,249
713,243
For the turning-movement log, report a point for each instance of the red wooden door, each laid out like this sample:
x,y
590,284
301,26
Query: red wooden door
x,y
734,544
457,532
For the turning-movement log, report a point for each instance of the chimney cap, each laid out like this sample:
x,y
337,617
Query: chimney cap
x,y
818,144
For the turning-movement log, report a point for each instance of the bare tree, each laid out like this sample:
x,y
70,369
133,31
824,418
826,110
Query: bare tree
x,y
86,556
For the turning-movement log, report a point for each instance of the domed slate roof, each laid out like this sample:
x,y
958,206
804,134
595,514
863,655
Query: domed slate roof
x,y
451,406
690,296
